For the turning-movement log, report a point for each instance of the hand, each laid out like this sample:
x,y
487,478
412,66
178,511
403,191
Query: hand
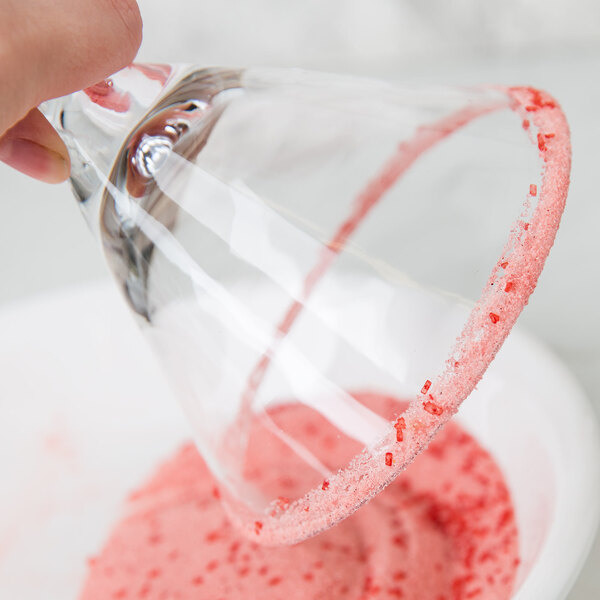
x,y
50,49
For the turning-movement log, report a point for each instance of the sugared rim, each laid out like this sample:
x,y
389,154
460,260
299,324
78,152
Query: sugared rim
x,y
504,296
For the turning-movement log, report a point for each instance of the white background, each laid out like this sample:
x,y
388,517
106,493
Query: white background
x,y
548,44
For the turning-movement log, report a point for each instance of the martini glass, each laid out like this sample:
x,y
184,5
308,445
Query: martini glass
x,y
291,239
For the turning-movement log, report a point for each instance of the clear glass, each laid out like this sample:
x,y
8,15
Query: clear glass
x,y
290,238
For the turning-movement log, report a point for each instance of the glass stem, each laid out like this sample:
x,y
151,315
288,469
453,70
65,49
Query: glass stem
x,y
95,122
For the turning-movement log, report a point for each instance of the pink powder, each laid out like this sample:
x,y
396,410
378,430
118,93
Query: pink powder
x,y
444,530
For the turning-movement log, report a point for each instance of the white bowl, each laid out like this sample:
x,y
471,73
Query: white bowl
x,y
534,418
86,415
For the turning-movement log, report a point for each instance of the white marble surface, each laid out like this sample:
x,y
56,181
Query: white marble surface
x,y
552,45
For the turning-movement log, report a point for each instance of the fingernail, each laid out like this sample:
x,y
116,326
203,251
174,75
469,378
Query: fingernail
x,y
34,160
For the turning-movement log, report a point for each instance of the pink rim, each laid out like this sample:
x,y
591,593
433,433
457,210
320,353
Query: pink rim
x,y
504,296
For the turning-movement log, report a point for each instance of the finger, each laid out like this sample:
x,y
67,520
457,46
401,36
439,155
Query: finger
x,y
34,148
50,49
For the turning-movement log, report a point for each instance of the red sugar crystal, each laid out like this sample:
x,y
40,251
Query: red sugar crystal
x,y
274,581
212,536
509,286
325,485
400,426
426,387
468,560
212,565
432,408
283,502
539,100
541,142
153,573
526,123
388,459
494,318
197,580
533,189
504,264
505,518
257,527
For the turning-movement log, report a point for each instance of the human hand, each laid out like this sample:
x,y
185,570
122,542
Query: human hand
x,y
49,49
